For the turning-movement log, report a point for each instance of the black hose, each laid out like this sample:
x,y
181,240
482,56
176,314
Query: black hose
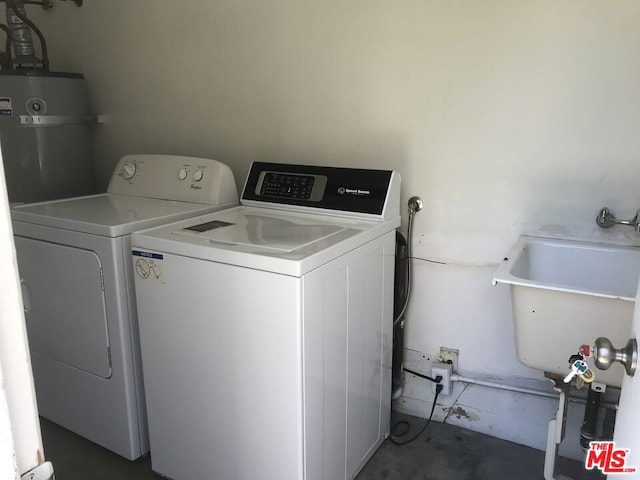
x,y
43,43
7,46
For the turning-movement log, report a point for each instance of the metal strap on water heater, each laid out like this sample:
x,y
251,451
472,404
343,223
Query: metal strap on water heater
x,y
53,120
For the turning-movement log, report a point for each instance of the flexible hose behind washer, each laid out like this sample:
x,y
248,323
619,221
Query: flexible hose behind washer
x,y
400,316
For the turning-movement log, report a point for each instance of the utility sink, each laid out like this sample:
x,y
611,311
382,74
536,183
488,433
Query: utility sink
x,y
567,293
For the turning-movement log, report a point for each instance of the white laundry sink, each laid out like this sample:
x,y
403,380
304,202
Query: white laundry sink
x,y
567,293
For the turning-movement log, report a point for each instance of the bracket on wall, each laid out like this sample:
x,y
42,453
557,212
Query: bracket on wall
x,y
45,4
48,4
77,2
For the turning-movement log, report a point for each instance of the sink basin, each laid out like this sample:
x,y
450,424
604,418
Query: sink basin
x,y
567,293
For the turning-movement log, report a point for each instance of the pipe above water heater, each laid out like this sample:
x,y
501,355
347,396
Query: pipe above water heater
x,y
20,27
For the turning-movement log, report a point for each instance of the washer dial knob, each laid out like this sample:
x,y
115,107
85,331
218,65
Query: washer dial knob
x,y
128,170
198,175
182,174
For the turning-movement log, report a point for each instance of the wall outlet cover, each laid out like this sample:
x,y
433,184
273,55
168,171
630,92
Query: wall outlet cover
x,y
450,356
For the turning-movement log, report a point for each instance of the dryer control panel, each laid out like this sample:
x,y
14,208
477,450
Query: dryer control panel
x,y
174,177
346,191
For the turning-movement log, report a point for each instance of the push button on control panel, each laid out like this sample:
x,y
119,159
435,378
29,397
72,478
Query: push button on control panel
x,y
287,185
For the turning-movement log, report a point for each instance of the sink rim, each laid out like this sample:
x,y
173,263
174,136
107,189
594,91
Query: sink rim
x,y
503,273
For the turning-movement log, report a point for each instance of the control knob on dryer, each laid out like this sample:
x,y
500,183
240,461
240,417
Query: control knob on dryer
x,y
198,175
128,170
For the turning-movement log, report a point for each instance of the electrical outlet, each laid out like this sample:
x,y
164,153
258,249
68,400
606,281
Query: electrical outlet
x,y
445,371
450,356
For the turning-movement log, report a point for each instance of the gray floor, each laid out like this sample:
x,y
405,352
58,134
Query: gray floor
x,y
442,452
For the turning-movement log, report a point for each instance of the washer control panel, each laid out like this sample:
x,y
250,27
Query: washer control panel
x,y
299,187
172,177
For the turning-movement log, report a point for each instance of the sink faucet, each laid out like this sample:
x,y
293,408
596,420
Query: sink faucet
x,y
606,219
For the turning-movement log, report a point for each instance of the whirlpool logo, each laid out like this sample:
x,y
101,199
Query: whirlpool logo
x,y
353,191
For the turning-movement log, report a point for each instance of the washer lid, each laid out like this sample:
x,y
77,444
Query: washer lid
x,y
289,243
263,231
107,215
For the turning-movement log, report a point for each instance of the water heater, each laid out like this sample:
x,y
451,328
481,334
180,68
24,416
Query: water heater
x,y
45,122
46,135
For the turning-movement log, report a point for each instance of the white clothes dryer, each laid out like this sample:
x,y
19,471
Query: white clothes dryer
x,y
78,291
266,339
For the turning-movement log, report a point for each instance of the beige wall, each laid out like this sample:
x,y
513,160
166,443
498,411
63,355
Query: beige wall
x,y
501,114
506,116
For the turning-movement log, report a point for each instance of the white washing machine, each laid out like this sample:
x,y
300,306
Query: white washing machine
x,y
77,288
266,338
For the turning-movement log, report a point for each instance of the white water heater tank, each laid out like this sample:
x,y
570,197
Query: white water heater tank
x,y
46,135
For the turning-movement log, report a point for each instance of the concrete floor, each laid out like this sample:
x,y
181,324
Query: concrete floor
x,y
442,452
446,452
